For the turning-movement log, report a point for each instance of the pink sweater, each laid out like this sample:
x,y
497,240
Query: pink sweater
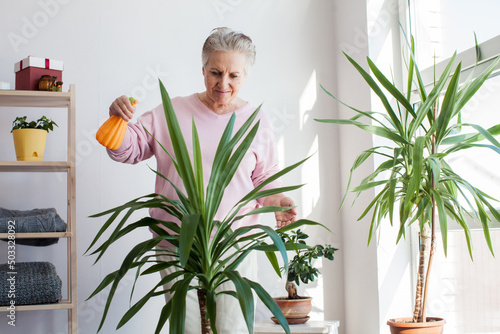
x,y
260,161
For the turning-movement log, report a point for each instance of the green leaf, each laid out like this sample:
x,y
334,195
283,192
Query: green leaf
x,y
135,308
411,68
144,222
470,89
180,148
188,230
443,222
269,232
198,169
159,267
178,315
447,107
420,83
136,251
368,185
376,89
164,315
212,310
109,221
426,107
221,160
104,283
245,297
416,174
470,137
270,304
391,88
273,259
263,209
256,192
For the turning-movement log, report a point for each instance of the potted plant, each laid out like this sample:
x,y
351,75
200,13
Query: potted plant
x,y
30,137
300,269
203,262
413,183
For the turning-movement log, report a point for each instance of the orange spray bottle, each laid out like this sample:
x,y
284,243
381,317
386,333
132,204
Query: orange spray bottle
x,y
112,132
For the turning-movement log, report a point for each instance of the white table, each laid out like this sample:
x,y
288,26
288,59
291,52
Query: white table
x,y
310,327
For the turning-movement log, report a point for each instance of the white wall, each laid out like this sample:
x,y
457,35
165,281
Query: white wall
x,y
360,261
111,48
393,261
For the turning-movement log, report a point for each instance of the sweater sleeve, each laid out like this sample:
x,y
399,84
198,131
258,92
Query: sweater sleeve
x,y
267,157
138,144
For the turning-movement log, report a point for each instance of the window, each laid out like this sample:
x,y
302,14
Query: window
x,y
442,27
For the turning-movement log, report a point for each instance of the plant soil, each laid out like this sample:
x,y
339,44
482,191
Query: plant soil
x,y
409,321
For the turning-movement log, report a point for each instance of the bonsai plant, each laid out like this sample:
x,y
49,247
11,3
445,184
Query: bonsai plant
x,y
30,137
300,269
203,262
414,184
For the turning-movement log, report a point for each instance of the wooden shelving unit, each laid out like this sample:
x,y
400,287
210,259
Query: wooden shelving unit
x,y
66,100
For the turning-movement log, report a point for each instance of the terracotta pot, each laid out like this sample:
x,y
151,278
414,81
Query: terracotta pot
x,y
295,310
29,144
403,326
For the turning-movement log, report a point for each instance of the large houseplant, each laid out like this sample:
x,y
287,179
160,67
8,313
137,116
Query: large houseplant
x,y
203,262
413,183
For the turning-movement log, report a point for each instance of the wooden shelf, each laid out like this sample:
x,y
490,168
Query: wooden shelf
x,y
66,100
38,235
33,98
34,166
63,305
310,327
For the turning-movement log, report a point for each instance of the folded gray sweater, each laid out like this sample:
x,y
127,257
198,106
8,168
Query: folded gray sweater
x,y
32,221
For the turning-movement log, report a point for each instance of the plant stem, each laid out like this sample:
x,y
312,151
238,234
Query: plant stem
x,y
424,248
205,322
429,264
291,288
433,224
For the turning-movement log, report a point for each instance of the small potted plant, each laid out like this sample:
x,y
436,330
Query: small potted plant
x,y
30,137
296,308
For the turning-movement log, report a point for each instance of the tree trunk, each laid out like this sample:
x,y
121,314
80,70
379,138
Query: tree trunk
x,y
423,316
205,322
422,256
291,288
419,313
429,264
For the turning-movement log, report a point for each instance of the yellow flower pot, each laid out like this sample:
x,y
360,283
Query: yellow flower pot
x,y
29,144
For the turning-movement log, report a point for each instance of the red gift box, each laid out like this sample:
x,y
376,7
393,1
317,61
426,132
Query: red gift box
x,y
30,70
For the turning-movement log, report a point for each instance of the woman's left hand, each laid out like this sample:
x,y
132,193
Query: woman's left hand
x,y
286,217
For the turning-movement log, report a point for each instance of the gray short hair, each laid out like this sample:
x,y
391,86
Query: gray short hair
x,y
228,40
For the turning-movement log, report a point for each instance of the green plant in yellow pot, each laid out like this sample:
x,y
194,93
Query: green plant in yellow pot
x,y
30,137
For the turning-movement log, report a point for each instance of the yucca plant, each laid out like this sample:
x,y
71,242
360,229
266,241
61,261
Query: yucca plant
x,y
414,183
202,262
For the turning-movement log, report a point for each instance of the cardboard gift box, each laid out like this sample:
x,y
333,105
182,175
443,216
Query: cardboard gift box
x,y
30,70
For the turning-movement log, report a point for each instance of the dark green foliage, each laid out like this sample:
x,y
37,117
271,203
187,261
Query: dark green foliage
x,y
413,181
300,268
42,123
206,252
414,173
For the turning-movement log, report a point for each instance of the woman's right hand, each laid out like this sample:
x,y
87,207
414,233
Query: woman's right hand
x,y
123,108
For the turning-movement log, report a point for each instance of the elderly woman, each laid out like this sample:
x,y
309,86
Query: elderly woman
x,y
227,58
